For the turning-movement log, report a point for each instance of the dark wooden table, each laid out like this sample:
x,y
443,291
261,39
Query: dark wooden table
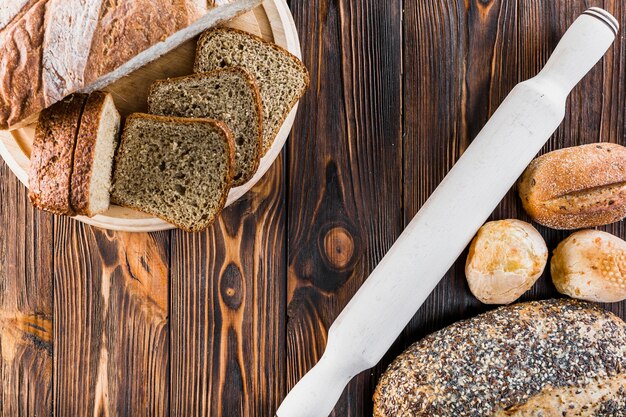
x,y
223,323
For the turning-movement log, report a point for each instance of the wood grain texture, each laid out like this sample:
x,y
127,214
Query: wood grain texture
x,y
25,303
228,291
345,204
111,355
224,322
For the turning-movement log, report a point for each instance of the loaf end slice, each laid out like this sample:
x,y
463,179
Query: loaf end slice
x,y
178,169
281,77
229,95
93,158
52,156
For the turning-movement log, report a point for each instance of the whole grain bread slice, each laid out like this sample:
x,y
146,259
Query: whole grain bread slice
x,y
229,95
93,158
281,77
179,169
52,156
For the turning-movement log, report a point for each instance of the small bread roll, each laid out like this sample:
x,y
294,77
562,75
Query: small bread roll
x,y
591,265
505,259
576,188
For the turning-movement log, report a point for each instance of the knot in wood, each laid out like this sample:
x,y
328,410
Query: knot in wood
x,y
231,287
339,247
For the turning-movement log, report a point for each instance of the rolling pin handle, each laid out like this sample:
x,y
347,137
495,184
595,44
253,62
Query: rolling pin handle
x,y
319,390
582,46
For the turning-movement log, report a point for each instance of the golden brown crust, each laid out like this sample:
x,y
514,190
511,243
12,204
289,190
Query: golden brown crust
x,y
230,146
574,188
295,59
84,153
128,27
590,265
21,87
258,104
52,157
505,259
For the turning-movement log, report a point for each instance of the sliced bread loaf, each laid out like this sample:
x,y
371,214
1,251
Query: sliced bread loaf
x,y
228,95
281,77
178,169
93,157
52,156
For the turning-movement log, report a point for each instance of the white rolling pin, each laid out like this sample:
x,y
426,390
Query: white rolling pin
x,y
447,222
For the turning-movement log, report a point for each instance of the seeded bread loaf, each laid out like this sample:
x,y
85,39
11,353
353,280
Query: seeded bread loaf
x,y
178,169
229,95
93,157
550,358
52,156
578,187
85,45
281,77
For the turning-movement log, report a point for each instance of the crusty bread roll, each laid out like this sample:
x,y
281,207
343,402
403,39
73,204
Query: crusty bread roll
x,y
575,188
548,358
591,265
505,259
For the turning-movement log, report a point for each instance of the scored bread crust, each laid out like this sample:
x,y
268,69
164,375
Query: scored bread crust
x,y
52,157
506,359
577,187
251,81
230,146
85,151
295,59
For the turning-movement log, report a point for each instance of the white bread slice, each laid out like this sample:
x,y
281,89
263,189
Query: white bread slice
x,y
93,157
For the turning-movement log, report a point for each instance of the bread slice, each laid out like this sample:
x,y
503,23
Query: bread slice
x,y
281,77
229,95
178,169
52,156
93,157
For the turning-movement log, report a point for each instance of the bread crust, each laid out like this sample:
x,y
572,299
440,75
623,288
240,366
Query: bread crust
x,y
124,28
590,265
21,86
504,359
52,157
251,81
505,260
296,60
578,187
230,147
85,152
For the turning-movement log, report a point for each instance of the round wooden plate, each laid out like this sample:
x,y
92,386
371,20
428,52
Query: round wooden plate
x,y
272,21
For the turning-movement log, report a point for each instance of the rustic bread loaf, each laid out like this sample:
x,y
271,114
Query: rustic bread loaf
x,y
229,95
84,45
21,92
52,156
550,358
281,77
93,157
178,169
591,265
504,261
574,188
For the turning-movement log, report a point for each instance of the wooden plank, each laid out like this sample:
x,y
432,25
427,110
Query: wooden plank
x,y
345,204
110,322
228,309
461,60
25,303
